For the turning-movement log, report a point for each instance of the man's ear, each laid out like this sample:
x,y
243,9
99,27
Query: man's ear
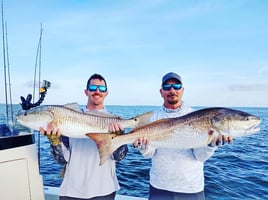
x,y
86,92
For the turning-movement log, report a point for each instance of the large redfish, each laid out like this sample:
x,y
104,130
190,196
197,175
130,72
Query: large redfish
x,y
74,123
189,131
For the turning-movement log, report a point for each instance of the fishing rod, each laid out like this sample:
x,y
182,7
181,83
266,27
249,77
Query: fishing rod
x,y
4,59
26,102
7,129
38,58
9,81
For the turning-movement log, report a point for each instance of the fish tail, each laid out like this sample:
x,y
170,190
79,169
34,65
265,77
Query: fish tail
x,y
105,144
143,119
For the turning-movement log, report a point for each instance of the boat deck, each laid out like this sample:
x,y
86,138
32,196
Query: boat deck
x,y
51,193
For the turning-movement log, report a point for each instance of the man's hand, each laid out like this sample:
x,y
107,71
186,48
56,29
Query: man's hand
x,y
50,130
115,127
53,134
141,143
220,140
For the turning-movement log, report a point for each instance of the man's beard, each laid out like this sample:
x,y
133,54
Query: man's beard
x,y
173,101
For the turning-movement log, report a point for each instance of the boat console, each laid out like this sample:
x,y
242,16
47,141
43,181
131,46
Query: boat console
x,y
19,172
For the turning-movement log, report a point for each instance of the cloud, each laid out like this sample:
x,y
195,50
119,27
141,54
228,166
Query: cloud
x,y
263,70
248,87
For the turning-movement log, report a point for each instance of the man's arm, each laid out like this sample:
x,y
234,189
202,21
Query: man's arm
x,y
56,142
57,154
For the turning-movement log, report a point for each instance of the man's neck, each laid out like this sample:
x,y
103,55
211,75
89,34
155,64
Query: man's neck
x,y
173,106
94,107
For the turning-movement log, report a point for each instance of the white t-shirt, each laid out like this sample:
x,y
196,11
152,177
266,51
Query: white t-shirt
x,y
84,178
177,170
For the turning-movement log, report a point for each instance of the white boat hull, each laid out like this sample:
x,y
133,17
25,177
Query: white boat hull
x,y
19,172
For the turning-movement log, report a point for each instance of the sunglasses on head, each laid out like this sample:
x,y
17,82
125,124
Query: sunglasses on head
x,y
93,88
176,86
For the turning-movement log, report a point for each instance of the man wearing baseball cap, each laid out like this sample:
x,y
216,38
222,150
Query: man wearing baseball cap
x,y
176,173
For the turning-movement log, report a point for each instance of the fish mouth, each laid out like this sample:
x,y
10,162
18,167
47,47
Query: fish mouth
x,y
254,128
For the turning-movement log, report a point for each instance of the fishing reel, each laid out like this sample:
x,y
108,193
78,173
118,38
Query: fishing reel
x,y
26,103
46,85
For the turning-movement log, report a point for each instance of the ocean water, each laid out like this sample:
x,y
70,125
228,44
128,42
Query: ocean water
x,y
236,171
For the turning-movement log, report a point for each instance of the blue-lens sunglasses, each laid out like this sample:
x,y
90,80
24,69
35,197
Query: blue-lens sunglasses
x,y
176,86
93,88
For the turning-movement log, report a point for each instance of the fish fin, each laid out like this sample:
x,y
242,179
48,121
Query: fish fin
x,y
105,144
73,106
76,107
102,114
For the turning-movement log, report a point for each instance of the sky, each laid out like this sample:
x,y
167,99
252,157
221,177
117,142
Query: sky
x,y
220,49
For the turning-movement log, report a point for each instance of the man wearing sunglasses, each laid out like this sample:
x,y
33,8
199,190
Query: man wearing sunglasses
x,y
176,173
84,178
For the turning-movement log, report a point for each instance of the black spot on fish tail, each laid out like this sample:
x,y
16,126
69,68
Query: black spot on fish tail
x,y
210,137
210,133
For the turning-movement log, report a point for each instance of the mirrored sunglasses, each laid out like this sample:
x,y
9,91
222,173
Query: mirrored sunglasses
x,y
176,86
93,88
